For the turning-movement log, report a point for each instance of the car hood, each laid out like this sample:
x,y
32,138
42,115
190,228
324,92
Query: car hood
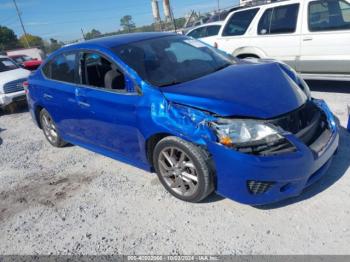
x,y
13,75
257,90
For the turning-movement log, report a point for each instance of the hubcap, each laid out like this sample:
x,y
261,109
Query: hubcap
x,y
49,128
178,171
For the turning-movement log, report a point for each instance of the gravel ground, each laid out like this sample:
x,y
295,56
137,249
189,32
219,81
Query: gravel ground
x,y
72,201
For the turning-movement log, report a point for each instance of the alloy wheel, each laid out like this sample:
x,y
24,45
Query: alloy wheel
x,y
178,171
49,128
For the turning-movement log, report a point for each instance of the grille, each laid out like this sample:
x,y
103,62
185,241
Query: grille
x,y
258,187
277,147
14,86
307,123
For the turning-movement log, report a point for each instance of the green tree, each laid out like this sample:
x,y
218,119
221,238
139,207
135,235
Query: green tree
x,y
33,41
8,38
52,45
127,23
93,34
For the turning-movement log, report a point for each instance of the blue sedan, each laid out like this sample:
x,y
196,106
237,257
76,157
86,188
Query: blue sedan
x,y
201,119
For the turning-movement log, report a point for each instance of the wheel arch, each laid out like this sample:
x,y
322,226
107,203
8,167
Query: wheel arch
x,y
249,51
151,143
37,110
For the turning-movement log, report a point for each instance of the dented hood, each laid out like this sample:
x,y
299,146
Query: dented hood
x,y
259,90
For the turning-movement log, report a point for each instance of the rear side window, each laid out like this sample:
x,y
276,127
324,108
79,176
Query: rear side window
x,y
279,20
213,30
62,68
239,22
328,15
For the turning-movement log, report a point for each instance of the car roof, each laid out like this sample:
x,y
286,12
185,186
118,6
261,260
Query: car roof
x,y
118,40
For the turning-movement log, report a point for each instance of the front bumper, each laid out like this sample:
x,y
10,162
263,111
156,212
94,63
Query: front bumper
x,y
287,174
6,99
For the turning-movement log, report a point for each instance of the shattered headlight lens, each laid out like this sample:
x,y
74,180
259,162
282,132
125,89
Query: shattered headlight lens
x,y
245,132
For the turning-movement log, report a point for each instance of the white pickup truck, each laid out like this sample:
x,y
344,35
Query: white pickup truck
x,y
11,81
312,36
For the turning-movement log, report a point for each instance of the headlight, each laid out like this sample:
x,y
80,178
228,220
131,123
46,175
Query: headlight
x,y
235,132
251,136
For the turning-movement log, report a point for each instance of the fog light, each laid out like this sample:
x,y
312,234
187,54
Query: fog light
x,y
258,187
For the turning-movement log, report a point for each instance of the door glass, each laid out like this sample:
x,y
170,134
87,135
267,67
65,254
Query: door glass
x,y
63,68
328,15
198,33
239,22
99,72
213,30
279,20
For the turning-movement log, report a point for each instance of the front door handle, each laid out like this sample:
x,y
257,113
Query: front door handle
x,y
83,104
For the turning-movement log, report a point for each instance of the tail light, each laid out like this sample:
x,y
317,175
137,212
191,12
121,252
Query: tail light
x,y
25,86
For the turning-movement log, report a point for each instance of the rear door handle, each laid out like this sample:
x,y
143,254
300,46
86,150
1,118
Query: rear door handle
x,y
48,97
308,38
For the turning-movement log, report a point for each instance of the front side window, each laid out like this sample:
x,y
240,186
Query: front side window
x,y
239,22
62,68
7,65
279,20
97,71
172,60
198,33
328,15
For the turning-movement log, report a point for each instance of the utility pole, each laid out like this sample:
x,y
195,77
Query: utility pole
x,y
20,19
218,5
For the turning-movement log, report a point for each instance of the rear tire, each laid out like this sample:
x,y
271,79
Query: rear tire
x,y
184,169
50,130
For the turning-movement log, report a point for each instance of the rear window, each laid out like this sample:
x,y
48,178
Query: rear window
x,y
328,15
239,22
279,20
7,64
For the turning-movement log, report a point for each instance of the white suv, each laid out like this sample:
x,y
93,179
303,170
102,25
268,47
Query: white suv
x,y
312,36
11,81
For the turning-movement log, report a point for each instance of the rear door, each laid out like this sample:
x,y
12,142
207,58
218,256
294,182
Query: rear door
x,y
58,91
326,38
278,33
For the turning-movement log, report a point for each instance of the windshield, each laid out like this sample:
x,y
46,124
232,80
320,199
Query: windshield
x,y
7,64
172,60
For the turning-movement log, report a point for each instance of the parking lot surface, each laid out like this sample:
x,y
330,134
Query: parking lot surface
x,y
72,201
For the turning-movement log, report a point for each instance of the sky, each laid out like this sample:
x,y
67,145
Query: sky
x,y
63,19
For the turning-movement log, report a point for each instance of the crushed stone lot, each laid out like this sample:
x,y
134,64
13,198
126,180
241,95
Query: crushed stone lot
x,y
72,201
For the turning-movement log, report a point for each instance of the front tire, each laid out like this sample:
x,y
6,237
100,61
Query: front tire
x,y
183,169
50,129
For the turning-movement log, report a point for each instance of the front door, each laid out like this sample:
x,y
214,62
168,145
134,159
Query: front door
x,y
108,107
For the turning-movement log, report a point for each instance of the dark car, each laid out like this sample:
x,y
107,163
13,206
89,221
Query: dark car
x,y
203,120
